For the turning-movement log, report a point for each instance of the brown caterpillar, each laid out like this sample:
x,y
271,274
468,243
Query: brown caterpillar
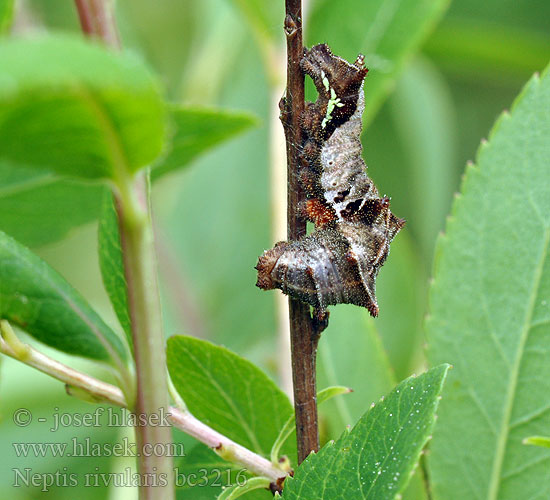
x,y
338,262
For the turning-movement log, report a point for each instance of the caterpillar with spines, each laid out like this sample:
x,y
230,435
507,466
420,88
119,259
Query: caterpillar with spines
x,y
339,261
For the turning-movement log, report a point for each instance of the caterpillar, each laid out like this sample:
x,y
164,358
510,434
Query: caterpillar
x,y
339,261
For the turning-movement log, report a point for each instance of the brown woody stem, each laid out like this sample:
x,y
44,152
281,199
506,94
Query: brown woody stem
x,y
96,19
303,334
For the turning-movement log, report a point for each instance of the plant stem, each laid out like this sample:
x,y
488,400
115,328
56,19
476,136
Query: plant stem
x,y
137,242
303,335
13,347
96,19
102,391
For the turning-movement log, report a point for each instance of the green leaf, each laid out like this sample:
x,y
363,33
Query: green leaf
x,y
237,491
542,441
290,424
423,113
491,12
111,264
493,40
485,50
75,108
490,314
38,208
385,31
348,326
38,300
376,459
197,130
6,14
331,392
201,474
228,393
351,326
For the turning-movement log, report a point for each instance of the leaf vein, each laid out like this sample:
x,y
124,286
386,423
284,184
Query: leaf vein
x,y
514,376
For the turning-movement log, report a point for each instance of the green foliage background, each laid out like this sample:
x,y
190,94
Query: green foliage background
x,y
213,218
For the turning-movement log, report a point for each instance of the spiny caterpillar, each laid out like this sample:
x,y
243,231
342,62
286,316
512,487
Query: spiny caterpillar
x,y
338,262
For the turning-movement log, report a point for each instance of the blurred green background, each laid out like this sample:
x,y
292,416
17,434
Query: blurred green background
x,y
214,218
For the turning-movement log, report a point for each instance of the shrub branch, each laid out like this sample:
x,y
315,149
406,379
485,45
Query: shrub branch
x,y
78,384
303,333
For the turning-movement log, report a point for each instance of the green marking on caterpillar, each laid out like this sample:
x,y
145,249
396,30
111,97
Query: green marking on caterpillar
x,y
325,80
332,103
